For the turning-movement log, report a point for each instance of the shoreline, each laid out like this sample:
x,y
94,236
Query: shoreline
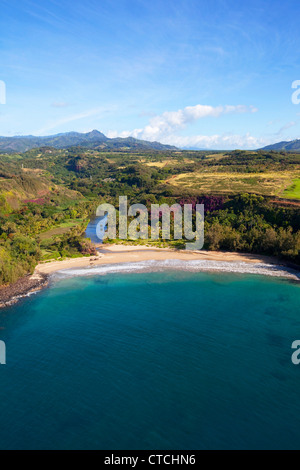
x,y
133,257
25,286
124,254
119,254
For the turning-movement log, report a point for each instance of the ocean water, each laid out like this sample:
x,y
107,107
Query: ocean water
x,y
153,360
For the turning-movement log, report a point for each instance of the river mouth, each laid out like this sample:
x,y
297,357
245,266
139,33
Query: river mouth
x,y
96,235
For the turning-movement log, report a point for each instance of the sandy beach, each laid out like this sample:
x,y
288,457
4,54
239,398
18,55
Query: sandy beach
x,y
118,254
112,258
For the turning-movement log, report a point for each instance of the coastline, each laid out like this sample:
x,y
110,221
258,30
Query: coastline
x,y
132,256
27,285
119,254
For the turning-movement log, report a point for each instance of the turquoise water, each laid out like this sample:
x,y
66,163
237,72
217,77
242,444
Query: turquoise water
x,y
152,361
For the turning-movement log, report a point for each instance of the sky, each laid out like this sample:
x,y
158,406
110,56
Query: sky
x,y
190,73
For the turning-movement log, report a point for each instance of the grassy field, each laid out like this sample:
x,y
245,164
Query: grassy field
x,y
293,192
60,229
281,184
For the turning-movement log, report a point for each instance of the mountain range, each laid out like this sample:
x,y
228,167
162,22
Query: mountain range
x,y
292,146
93,140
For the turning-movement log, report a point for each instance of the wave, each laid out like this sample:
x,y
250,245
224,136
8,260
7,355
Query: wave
x,y
193,266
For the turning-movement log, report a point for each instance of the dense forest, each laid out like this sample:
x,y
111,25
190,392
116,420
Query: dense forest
x,y
48,195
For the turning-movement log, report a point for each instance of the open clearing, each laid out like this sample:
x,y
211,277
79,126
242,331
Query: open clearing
x,y
293,192
281,184
162,164
60,229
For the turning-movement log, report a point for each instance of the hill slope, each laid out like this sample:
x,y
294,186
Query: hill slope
x,y
292,146
92,140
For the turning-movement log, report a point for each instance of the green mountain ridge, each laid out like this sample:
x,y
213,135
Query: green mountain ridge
x,y
92,140
289,146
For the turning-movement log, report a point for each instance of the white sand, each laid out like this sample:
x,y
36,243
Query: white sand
x,y
133,258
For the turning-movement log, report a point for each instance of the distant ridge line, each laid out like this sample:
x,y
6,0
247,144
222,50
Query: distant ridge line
x,y
94,140
288,146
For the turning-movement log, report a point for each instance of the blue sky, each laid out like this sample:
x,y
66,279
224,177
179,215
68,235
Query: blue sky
x,y
191,73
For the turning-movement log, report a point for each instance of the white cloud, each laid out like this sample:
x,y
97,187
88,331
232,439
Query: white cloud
x,y
163,128
217,141
165,124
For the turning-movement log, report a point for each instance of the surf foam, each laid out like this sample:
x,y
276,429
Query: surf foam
x,y
193,265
